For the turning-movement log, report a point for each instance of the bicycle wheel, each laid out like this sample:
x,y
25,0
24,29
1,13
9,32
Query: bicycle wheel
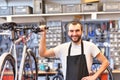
x,y
7,67
30,71
57,77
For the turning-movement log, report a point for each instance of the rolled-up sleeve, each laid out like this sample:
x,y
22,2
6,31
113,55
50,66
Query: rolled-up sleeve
x,y
56,51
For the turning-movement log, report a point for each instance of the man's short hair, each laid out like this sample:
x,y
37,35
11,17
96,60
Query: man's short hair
x,y
74,23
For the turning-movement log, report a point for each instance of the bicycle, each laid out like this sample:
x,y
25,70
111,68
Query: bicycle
x,y
59,74
27,69
8,59
108,71
28,56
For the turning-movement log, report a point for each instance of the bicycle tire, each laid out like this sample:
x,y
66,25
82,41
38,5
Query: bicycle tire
x,y
110,77
7,59
57,77
30,70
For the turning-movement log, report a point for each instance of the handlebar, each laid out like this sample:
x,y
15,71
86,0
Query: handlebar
x,y
36,30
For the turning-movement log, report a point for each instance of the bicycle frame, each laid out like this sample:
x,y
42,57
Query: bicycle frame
x,y
15,57
24,53
12,47
22,62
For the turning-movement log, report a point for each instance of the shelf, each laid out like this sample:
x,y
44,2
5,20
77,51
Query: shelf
x,y
64,14
85,16
116,71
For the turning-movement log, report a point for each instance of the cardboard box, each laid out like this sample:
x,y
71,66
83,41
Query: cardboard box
x,y
89,1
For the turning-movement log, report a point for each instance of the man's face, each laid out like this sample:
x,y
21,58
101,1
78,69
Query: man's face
x,y
75,32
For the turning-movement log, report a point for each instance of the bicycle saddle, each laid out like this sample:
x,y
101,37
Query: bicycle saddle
x,y
9,24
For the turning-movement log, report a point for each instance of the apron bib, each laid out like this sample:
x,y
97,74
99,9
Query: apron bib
x,y
76,65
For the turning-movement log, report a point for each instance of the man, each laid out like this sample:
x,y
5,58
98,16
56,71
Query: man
x,y
76,56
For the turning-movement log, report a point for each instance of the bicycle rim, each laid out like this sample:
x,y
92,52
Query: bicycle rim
x,y
7,71
30,71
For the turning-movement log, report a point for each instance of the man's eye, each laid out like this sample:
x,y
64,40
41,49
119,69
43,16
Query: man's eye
x,y
77,30
71,30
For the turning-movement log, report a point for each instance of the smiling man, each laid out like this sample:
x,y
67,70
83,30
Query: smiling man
x,y
76,56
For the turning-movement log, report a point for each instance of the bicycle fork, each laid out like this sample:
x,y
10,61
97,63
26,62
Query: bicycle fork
x,y
22,63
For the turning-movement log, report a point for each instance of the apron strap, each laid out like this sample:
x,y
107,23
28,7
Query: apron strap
x,y
69,49
82,48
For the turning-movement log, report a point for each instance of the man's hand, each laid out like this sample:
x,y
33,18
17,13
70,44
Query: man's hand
x,y
42,29
89,78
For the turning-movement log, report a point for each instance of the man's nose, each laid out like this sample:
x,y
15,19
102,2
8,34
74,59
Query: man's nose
x,y
74,32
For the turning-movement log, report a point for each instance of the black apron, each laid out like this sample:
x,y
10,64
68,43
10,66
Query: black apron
x,y
76,65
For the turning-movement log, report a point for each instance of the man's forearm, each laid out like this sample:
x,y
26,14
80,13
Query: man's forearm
x,y
42,44
104,65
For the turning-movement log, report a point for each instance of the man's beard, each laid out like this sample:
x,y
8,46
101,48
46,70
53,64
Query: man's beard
x,y
75,41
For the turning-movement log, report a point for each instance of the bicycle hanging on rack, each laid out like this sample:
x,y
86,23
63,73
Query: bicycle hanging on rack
x,y
28,66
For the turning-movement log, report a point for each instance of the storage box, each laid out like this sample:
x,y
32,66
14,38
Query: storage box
x,y
111,6
104,76
5,10
89,7
89,1
8,77
71,8
38,6
22,10
53,8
